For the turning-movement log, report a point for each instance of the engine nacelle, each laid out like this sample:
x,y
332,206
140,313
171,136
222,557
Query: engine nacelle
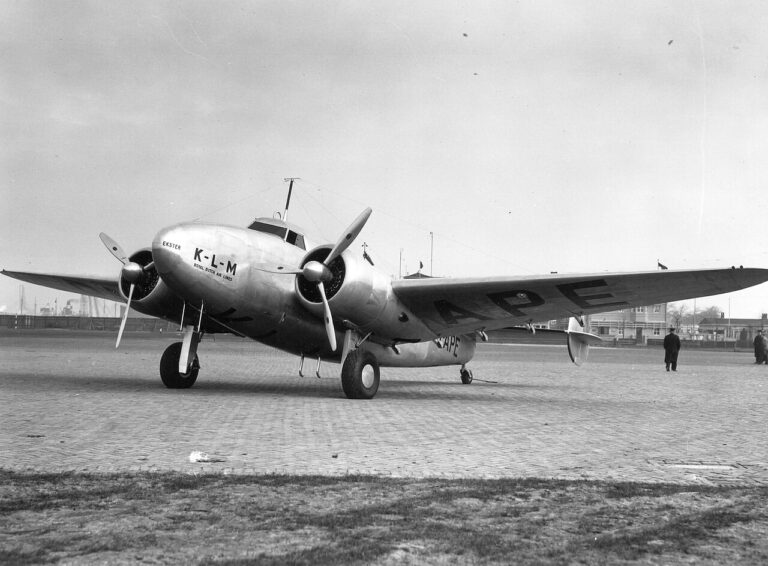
x,y
150,295
362,297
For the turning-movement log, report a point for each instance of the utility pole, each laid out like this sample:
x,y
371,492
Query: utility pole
x,y
693,330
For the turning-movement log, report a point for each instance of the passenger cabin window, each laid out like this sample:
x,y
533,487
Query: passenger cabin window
x,y
280,231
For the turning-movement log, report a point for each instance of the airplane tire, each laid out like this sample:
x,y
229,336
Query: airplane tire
x,y
360,375
169,369
466,376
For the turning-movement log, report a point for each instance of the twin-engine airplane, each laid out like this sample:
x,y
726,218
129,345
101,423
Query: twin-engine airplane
x,y
268,282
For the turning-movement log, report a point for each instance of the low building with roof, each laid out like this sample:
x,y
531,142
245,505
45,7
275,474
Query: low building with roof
x,y
636,323
742,331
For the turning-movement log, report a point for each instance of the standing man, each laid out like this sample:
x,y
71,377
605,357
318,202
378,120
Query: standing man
x,y
671,349
758,343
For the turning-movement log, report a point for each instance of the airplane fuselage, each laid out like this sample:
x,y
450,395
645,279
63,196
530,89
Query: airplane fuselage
x,y
218,269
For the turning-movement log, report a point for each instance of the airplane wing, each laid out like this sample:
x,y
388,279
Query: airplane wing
x,y
458,306
104,288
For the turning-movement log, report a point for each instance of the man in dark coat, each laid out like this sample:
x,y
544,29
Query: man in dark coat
x,y
671,349
761,344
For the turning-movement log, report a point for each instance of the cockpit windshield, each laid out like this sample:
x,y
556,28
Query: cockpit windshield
x,y
281,231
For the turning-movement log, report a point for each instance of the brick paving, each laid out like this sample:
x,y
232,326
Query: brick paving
x,y
71,402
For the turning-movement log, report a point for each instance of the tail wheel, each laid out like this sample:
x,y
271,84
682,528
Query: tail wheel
x,y
360,375
169,369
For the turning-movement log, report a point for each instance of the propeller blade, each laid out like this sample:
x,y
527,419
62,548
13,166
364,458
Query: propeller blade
x,y
114,248
349,236
330,330
125,316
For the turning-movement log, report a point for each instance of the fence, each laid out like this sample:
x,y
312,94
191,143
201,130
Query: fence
x,y
111,324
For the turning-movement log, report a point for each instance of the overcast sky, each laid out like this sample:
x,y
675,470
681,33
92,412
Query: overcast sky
x,y
528,137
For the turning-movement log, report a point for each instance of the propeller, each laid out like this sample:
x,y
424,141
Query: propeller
x,y
131,271
352,232
125,317
320,273
327,318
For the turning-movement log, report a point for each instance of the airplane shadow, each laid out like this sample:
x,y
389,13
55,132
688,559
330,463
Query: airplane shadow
x,y
73,382
287,386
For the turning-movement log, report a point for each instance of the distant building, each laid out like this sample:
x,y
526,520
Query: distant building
x,y
636,323
740,330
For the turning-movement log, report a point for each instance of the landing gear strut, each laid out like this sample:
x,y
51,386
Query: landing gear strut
x,y
466,375
360,375
169,368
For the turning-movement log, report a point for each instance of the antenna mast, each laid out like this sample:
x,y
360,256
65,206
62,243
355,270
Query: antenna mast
x,y
431,251
290,190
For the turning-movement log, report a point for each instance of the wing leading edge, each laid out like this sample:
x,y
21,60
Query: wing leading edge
x,y
82,285
454,306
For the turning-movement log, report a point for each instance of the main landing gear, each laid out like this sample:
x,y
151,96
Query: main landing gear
x,y
169,368
179,365
360,375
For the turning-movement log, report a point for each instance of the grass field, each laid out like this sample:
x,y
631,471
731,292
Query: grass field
x,y
176,518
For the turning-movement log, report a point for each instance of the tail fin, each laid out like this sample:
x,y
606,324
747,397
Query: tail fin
x,y
579,342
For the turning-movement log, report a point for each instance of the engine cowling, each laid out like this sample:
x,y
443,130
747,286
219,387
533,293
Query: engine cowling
x,y
150,296
361,297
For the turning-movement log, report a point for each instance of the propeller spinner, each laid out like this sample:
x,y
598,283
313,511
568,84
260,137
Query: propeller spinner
x,y
131,272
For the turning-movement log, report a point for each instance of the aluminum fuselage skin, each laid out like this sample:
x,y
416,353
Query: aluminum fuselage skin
x,y
221,269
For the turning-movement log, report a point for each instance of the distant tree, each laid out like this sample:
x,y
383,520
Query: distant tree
x,y
677,314
709,312
680,314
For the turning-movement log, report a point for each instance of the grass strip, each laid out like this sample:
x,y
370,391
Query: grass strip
x,y
157,518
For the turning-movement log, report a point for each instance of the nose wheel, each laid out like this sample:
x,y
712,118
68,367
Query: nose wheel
x,y
466,375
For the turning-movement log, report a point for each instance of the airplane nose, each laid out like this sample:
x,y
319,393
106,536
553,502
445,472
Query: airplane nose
x,y
167,248
200,260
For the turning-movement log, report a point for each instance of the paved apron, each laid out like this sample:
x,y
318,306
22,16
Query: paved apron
x,y
71,402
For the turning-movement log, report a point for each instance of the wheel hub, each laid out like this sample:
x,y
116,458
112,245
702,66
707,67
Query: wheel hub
x,y
368,376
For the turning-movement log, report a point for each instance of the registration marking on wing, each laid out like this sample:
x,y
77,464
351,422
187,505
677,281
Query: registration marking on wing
x,y
591,294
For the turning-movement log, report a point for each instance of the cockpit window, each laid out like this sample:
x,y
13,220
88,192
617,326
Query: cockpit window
x,y
279,231
296,239
268,228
